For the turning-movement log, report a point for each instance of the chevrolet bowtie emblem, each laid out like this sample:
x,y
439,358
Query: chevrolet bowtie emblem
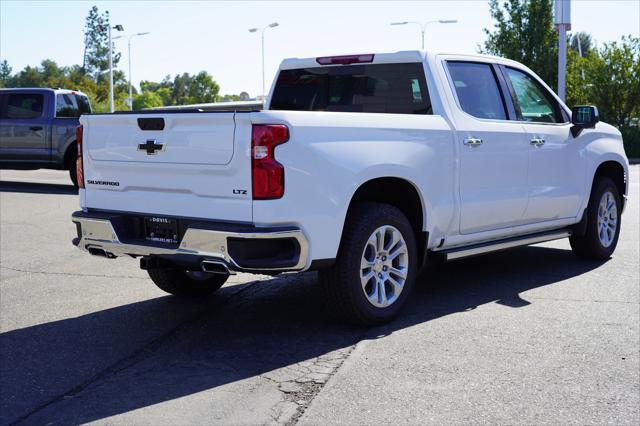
x,y
151,146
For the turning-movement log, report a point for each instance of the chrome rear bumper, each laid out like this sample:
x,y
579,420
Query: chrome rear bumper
x,y
98,235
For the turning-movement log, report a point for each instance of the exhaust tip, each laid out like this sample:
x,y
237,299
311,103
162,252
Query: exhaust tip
x,y
215,267
99,251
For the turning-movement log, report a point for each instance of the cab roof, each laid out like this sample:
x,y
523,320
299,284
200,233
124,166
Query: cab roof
x,y
56,90
403,56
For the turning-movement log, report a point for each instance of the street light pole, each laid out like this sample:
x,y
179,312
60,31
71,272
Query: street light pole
x,y
562,19
111,108
423,26
253,30
263,90
129,61
129,56
111,102
562,60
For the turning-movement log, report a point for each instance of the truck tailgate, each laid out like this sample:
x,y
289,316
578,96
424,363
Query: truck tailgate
x,y
190,164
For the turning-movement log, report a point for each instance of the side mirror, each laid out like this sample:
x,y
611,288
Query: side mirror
x,y
583,117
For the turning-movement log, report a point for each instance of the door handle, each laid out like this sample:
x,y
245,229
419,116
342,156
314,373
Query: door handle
x,y
474,142
35,128
537,141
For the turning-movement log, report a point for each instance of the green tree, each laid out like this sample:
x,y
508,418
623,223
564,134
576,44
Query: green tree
x,y
184,89
524,32
577,84
5,73
147,99
180,89
28,77
203,89
229,98
164,89
612,77
96,43
585,43
243,96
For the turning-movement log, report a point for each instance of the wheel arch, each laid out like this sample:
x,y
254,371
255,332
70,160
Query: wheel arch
x,y
616,172
402,194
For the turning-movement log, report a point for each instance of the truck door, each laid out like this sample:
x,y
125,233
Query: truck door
x,y
24,127
493,151
556,169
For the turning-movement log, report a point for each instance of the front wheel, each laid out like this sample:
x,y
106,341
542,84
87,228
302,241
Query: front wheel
x,y
375,268
603,223
186,283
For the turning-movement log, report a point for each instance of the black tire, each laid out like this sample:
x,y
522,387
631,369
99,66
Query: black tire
x,y
183,283
70,163
342,284
590,246
73,175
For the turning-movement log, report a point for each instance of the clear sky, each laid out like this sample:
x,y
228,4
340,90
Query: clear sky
x,y
190,36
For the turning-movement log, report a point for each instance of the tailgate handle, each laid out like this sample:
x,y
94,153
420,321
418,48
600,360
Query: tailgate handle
x,y
156,123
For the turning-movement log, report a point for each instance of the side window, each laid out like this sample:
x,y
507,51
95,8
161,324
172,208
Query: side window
x,y
25,105
3,105
65,108
536,103
477,90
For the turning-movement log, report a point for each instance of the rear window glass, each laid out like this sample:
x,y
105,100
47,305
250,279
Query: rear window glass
x,y
378,88
24,105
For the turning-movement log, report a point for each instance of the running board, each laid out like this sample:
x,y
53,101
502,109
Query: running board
x,y
491,246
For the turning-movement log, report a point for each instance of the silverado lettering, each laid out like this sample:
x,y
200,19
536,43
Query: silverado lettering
x,y
102,182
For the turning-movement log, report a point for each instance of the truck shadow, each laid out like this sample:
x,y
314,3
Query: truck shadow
x,y
38,188
267,326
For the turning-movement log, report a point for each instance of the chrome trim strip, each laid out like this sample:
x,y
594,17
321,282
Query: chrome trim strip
x,y
99,233
472,251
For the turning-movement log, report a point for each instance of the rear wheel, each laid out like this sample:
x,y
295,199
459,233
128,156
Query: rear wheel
x,y
375,268
186,283
73,175
603,223
70,164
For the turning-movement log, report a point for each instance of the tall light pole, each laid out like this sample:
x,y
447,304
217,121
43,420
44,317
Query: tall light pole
x,y
253,30
129,55
423,26
562,19
118,28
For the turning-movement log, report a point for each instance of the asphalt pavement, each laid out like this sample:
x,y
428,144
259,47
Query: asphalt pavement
x,y
527,336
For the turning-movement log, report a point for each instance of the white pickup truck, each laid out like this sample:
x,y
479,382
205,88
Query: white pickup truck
x,y
363,167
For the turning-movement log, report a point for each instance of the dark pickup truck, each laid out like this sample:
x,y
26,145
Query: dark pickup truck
x,y
38,128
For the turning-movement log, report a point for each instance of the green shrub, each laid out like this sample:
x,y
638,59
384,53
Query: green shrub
x,y
631,137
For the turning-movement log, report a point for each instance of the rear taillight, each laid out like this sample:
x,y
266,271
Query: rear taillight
x,y
267,173
79,166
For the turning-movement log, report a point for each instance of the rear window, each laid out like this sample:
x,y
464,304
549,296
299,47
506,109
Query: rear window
x,y
24,105
378,88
